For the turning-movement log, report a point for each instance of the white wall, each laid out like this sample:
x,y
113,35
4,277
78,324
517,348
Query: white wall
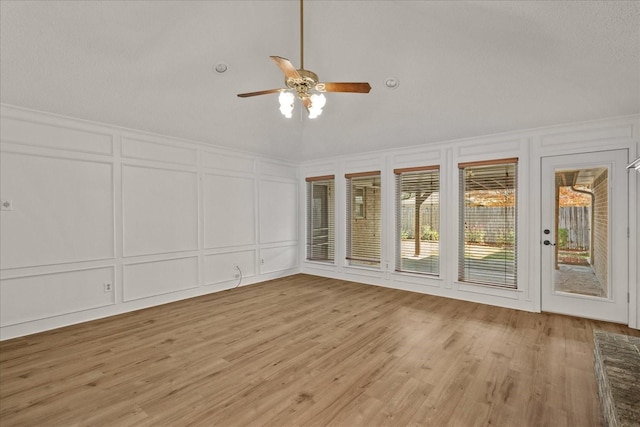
x,y
157,219
530,147
162,219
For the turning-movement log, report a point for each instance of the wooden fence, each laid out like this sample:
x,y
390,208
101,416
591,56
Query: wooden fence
x,y
490,226
574,227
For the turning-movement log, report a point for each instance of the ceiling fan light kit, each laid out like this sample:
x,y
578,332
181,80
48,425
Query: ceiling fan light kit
x,y
305,84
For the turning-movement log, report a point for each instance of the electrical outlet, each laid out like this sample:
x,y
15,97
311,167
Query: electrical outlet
x,y
262,261
108,287
6,205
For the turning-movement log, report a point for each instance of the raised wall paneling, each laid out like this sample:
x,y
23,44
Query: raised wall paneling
x,y
433,282
318,170
221,267
62,211
225,162
57,137
493,291
479,150
29,298
147,279
366,164
137,149
590,136
278,211
160,210
278,259
423,158
278,169
229,211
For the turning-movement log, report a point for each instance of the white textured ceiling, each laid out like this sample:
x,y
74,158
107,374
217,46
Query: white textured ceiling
x,y
465,68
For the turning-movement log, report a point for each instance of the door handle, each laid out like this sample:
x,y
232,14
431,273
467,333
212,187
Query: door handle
x,y
548,243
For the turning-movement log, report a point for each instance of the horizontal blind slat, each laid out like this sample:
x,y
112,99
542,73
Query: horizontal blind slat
x,y
321,219
364,219
487,238
417,220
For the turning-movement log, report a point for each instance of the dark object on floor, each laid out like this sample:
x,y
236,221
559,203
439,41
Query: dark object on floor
x,y
617,364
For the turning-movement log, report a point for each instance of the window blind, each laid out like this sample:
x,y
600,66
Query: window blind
x,y
418,220
363,219
320,218
488,222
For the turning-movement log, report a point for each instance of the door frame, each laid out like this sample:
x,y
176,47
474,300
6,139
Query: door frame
x,y
617,306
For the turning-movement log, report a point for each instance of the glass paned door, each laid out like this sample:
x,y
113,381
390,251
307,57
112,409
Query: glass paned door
x,y
584,235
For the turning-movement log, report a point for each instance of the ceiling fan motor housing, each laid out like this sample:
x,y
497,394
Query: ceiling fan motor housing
x,y
306,83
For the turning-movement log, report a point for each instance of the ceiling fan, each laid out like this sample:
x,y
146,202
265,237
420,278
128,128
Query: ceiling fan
x,y
305,84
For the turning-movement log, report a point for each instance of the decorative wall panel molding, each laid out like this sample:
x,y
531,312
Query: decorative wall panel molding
x,y
278,211
278,169
159,210
62,210
229,211
147,279
584,136
46,295
220,268
366,164
482,149
421,157
57,137
227,162
145,150
98,228
279,258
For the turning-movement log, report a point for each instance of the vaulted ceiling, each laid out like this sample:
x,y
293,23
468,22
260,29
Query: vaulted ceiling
x,y
465,68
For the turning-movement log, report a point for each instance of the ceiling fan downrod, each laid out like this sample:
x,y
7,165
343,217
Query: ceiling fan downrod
x,y
305,83
301,35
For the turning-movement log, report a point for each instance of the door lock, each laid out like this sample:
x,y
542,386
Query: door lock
x,y
548,243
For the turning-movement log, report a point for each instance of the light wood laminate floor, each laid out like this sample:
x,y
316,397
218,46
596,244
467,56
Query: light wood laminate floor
x,y
309,351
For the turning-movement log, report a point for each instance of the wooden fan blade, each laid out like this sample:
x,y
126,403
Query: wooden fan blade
x,y
262,92
287,67
344,87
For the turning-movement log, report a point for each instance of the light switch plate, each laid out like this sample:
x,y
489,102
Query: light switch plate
x,y
6,205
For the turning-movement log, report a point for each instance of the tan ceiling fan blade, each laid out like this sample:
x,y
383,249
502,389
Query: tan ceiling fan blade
x,y
344,87
261,92
286,66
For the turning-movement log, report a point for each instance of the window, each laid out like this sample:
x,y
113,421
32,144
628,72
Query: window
x,y
358,202
363,219
488,218
418,220
320,218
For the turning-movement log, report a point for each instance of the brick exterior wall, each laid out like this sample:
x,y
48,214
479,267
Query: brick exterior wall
x,y
366,231
600,259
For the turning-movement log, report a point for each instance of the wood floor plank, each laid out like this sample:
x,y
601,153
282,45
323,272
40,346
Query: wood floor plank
x,y
306,350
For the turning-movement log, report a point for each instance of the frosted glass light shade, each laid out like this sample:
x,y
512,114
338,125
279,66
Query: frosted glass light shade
x,y
286,103
318,102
